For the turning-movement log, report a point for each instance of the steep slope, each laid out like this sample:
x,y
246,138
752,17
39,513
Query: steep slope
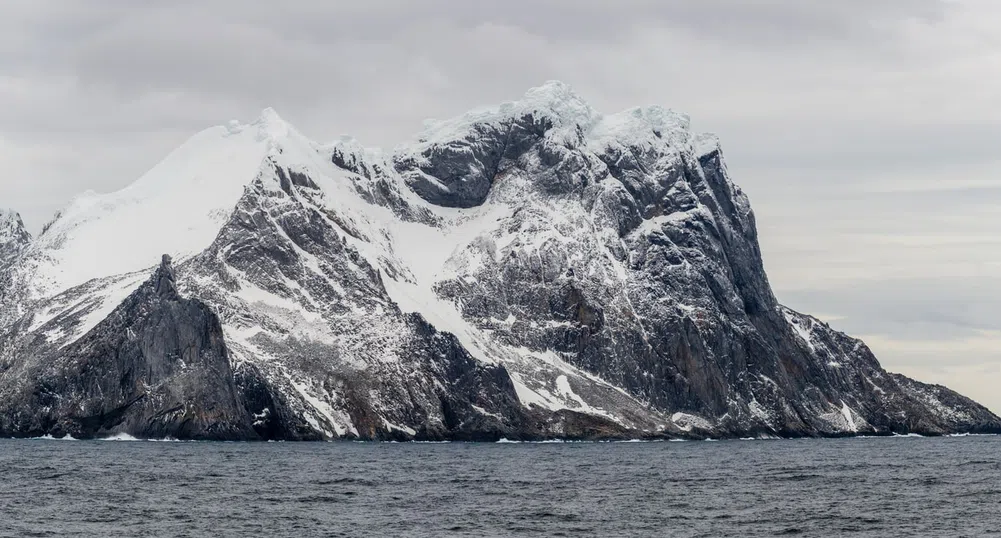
x,y
176,207
530,270
155,367
13,236
14,239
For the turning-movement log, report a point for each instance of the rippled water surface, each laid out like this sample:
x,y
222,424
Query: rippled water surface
x,y
847,487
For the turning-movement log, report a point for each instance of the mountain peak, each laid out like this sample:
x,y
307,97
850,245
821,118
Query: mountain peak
x,y
269,114
8,214
164,281
176,207
558,101
12,228
553,93
270,125
563,274
554,102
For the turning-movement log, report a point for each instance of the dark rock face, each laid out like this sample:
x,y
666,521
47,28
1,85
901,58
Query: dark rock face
x,y
376,184
156,367
385,374
461,172
601,279
655,283
458,168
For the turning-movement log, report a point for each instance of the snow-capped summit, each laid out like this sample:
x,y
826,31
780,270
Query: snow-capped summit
x,y
642,128
271,125
177,207
554,104
530,270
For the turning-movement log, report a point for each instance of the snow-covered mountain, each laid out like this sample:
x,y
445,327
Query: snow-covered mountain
x,y
531,270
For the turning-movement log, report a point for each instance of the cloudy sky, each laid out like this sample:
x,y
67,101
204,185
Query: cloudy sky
x,y
866,132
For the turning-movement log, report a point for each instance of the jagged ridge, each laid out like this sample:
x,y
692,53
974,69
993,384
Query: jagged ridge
x,y
531,270
155,367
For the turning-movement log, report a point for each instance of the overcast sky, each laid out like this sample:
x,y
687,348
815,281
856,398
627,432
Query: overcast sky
x,y
866,132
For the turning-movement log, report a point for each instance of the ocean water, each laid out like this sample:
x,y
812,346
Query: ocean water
x,y
843,487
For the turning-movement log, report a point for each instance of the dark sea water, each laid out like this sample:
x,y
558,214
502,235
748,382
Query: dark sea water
x,y
847,487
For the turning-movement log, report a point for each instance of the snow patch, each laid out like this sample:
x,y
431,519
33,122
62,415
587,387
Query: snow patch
x,y
484,412
687,422
802,325
339,420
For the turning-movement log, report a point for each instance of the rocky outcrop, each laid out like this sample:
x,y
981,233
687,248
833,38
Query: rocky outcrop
x,y
156,367
14,239
13,235
528,271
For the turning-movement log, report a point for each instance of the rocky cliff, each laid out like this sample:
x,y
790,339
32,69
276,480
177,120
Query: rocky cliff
x,y
156,366
531,270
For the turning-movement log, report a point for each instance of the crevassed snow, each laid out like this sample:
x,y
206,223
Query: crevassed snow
x,y
574,122
705,143
641,126
553,100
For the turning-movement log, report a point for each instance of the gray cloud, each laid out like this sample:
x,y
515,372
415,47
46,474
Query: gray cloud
x,y
907,308
761,21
